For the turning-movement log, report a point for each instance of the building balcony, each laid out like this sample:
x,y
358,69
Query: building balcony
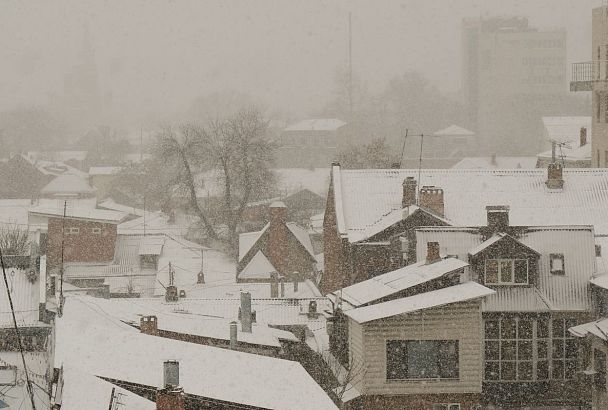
x,y
589,75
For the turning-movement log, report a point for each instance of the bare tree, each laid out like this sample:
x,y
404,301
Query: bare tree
x,y
345,376
376,154
14,240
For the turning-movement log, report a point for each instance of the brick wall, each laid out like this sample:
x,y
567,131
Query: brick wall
x,y
84,246
415,401
335,250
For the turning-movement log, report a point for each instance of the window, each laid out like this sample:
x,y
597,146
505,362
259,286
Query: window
x,y
598,102
598,250
564,349
599,365
72,231
509,349
506,271
405,245
96,231
556,263
149,261
446,406
421,359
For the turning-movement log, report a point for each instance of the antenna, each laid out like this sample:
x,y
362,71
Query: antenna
x,y
419,169
403,148
350,66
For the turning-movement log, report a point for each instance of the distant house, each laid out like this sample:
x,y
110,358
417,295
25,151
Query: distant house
x,y
21,179
450,142
569,140
311,143
496,162
73,190
280,251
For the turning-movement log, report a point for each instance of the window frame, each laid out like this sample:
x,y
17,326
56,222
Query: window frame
x,y
72,230
499,281
557,256
96,231
404,344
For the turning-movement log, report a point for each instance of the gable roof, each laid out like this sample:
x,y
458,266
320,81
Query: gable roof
x,y
362,197
498,162
319,124
497,237
390,283
68,184
454,130
259,267
79,213
597,328
248,240
445,296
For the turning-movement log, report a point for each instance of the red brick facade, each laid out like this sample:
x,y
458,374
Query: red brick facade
x,y
170,398
277,238
83,241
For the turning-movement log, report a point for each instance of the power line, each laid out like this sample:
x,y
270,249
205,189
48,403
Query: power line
x,y
10,301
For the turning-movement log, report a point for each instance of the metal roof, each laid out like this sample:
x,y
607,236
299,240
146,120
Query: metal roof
x,y
444,296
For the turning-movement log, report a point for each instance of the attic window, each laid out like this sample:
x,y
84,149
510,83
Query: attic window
x,y
598,250
556,263
72,231
506,272
96,230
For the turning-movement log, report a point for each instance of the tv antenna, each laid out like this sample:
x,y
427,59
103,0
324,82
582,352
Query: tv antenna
x,y
559,144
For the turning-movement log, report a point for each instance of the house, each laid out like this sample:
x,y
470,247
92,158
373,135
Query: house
x,y
311,143
209,376
101,178
371,215
451,142
540,275
570,142
21,179
281,250
70,189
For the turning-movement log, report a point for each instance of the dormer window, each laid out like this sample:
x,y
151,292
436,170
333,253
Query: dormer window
x,y
556,262
506,271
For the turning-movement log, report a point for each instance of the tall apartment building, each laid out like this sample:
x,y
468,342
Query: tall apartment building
x,y
593,76
513,75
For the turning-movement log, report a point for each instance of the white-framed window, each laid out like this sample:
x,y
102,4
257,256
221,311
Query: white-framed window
x,y
556,262
506,272
422,359
405,246
96,231
72,231
446,406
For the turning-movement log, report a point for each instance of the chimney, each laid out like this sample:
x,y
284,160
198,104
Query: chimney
x,y
201,275
274,285
295,285
148,325
246,312
277,237
233,335
432,198
432,252
409,192
555,179
395,165
171,396
583,136
498,217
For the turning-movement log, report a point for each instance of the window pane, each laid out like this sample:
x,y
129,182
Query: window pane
x,y
521,271
422,362
557,263
524,371
571,348
396,366
542,370
541,349
569,323
506,271
492,350
507,350
491,329
542,328
524,329
558,327
558,370
508,370
448,359
491,271
492,371
524,351
558,348
507,329
570,369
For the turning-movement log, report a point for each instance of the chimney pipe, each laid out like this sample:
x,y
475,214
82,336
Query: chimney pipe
x,y
170,397
274,285
431,197
149,325
432,252
498,217
555,178
583,136
409,192
246,312
171,373
233,335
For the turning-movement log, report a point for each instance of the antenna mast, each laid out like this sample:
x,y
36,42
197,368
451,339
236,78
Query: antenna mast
x,y
350,67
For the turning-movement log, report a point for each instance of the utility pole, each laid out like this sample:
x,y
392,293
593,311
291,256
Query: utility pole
x,y
350,67
65,204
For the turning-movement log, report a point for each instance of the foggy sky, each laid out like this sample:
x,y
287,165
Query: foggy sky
x,y
157,56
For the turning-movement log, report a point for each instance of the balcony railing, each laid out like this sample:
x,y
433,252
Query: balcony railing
x,y
586,73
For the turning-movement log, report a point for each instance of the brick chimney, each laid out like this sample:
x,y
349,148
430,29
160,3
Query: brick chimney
x,y
555,179
274,285
246,312
409,192
149,325
432,198
171,396
277,237
432,252
498,217
583,136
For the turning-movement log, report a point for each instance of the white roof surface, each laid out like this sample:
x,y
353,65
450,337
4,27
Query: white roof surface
x,y
151,245
454,131
567,129
248,239
114,206
453,294
363,197
498,162
574,153
319,124
259,267
67,184
25,296
104,170
105,347
80,213
398,280
598,328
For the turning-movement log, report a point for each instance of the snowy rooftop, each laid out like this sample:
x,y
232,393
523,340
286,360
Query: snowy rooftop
x,y
114,206
398,280
597,328
104,170
79,213
319,124
68,184
363,197
498,162
567,129
258,268
454,131
205,371
248,240
572,153
453,294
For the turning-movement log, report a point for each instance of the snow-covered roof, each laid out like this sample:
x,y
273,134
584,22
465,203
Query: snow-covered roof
x,y
68,184
114,206
516,299
398,280
105,347
574,153
25,296
259,267
81,390
454,131
363,197
156,223
79,213
492,240
151,245
317,124
497,162
567,129
458,293
104,170
597,328
248,239
302,236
